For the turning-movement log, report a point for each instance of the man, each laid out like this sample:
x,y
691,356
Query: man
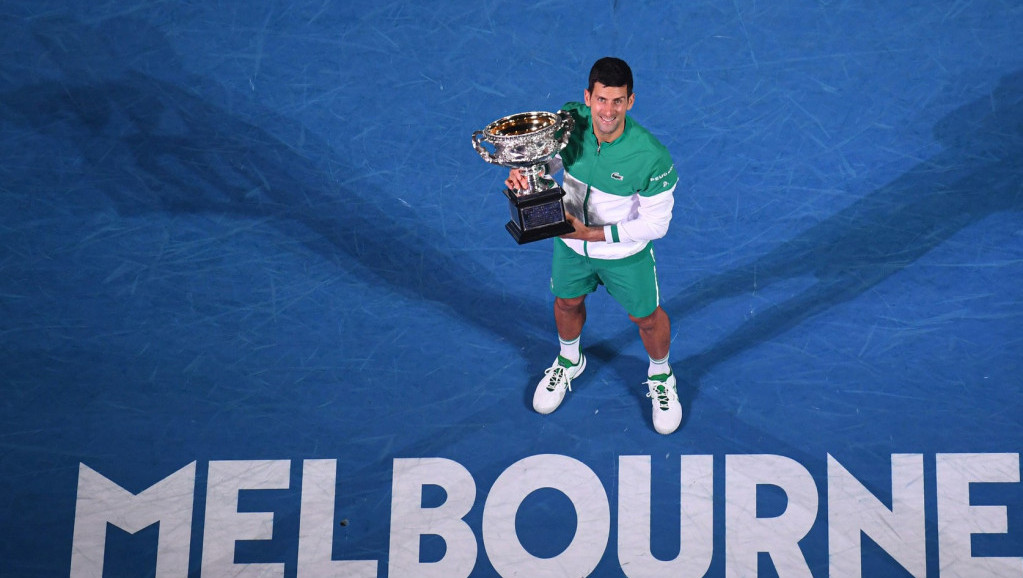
x,y
619,183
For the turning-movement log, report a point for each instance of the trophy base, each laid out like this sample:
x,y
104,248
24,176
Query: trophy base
x,y
537,216
522,237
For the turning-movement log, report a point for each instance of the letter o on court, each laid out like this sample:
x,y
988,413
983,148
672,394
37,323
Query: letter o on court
x,y
570,477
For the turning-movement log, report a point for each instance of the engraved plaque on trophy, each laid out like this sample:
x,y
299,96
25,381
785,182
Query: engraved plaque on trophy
x,y
526,141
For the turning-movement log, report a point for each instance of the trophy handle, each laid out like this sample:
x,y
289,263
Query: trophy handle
x,y
483,152
567,125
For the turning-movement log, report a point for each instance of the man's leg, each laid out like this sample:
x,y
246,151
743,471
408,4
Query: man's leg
x,y
571,274
632,281
569,316
655,332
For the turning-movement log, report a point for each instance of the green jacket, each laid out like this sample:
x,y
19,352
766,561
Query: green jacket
x,y
627,186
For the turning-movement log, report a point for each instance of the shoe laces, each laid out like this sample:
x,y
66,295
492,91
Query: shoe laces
x,y
557,375
661,391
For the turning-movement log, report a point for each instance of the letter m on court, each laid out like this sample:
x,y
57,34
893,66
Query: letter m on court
x,y
100,501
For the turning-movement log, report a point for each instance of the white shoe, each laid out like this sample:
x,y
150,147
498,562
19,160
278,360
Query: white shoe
x,y
557,380
666,407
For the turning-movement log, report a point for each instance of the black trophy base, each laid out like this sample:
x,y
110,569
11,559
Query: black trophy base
x,y
528,236
537,216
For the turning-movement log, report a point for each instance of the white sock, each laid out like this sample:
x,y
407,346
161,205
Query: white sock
x,y
659,366
570,349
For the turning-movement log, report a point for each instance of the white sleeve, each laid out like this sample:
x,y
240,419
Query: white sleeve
x,y
651,222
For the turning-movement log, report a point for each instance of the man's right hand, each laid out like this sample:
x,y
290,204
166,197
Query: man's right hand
x,y
516,181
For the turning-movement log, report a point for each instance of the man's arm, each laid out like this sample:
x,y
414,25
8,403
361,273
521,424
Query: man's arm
x,y
582,232
652,222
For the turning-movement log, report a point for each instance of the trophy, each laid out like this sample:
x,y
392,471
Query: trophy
x,y
526,141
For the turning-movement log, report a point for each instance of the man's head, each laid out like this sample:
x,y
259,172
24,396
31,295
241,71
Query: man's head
x,y
611,71
609,97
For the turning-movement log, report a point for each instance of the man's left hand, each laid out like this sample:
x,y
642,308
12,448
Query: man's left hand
x,y
582,232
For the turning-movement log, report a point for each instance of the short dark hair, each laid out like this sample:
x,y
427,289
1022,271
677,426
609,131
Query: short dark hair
x,y
611,71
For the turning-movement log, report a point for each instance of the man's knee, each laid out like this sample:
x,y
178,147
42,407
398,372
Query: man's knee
x,y
650,321
570,304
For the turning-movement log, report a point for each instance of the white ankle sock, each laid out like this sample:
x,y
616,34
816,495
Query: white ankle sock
x,y
659,366
570,349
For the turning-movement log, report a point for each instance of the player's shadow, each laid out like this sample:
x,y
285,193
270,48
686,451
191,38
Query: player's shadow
x,y
154,145
978,173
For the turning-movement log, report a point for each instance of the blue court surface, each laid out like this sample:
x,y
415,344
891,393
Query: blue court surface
x,y
259,314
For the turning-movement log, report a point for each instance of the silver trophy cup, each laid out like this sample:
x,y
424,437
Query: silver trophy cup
x,y
526,141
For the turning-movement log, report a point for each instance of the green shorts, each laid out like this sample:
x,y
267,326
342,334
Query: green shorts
x,y
632,280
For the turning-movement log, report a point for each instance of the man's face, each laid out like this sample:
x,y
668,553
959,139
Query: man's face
x,y
608,104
